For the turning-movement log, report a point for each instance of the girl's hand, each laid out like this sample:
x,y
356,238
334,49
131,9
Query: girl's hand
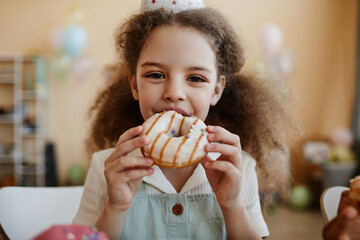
x,y
224,174
124,173
346,225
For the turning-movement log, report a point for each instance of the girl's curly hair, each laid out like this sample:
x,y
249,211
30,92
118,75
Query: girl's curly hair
x,y
249,106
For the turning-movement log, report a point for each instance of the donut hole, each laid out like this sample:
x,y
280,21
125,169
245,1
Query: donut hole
x,y
173,133
187,127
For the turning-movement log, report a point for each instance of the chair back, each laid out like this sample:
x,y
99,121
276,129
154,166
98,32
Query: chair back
x,y
329,202
27,211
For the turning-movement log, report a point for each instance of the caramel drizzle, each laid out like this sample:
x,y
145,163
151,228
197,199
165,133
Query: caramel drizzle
x,y
158,136
163,149
181,124
195,147
184,140
153,124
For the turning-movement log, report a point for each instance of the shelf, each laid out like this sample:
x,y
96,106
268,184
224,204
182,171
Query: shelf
x,y
34,95
34,170
9,158
7,78
24,97
33,132
9,118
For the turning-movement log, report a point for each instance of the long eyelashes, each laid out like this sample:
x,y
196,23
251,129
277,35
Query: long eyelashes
x,y
155,75
196,78
158,75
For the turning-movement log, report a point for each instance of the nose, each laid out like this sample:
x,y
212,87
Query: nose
x,y
175,90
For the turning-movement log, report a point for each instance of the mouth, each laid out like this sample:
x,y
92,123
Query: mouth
x,y
178,110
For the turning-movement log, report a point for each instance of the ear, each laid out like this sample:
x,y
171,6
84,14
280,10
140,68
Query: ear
x,y
133,85
219,88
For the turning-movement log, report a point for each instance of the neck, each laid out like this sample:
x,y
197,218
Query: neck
x,y
178,176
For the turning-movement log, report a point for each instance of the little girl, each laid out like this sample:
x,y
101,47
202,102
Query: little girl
x,y
187,59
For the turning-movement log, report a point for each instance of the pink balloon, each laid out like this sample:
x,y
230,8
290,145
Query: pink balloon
x,y
82,67
286,62
342,136
271,39
57,39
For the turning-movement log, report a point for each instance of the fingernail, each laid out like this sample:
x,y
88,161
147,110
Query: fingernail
x,y
210,146
148,160
350,213
143,139
207,164
211,136
210,128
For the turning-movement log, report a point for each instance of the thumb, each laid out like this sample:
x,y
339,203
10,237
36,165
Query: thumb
x,y
346,220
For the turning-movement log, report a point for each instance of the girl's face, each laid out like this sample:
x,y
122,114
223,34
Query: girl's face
x,y
177,71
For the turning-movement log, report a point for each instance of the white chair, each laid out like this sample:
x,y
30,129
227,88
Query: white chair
x,y
329,202
27,211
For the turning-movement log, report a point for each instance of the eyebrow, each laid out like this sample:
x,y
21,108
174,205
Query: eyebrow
x,y
192,68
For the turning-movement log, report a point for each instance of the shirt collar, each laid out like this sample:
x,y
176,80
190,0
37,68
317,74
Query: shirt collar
x,y
159,181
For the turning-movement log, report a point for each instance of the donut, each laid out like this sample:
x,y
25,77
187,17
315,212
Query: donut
x,y
355,190
176,141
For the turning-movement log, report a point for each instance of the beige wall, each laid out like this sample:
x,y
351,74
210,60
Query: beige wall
x,y
321,33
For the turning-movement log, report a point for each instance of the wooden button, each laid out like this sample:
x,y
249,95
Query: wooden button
x,y
177,209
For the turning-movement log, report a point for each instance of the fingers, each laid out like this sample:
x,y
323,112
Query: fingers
x,y
344,201
124,163
129,134
129,175
129,168
219,134
229,146
348,216
222,166
347,219
337,228
127,143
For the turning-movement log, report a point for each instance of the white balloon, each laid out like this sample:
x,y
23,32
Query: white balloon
x,y
82,67
286,62
271,39
60,66
57,39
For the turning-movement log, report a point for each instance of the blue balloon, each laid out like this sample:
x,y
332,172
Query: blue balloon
x,y
75,40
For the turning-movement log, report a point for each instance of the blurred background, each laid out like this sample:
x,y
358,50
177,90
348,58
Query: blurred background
x,y
52,58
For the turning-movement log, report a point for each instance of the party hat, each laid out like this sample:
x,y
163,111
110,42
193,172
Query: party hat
x,y
172,6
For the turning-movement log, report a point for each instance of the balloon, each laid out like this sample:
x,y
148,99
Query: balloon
x,y
270,39
76,175
286,62
342,136
74,15
82,67
75,40
60,66
57,39
300,197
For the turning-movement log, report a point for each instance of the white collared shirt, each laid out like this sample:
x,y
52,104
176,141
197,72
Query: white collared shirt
x,y
95,192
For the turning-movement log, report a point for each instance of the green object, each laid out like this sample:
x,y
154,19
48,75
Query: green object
x,y
300,197
76,175
342,154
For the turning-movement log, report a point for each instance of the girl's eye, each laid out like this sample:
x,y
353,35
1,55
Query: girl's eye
x,y
196,79
155,75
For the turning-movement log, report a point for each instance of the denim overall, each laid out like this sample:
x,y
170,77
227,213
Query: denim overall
x,y
173,216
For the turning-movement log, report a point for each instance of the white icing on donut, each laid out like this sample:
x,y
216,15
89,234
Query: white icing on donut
x,y
175,140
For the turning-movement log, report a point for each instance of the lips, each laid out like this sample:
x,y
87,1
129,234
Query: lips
x,y
178,110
